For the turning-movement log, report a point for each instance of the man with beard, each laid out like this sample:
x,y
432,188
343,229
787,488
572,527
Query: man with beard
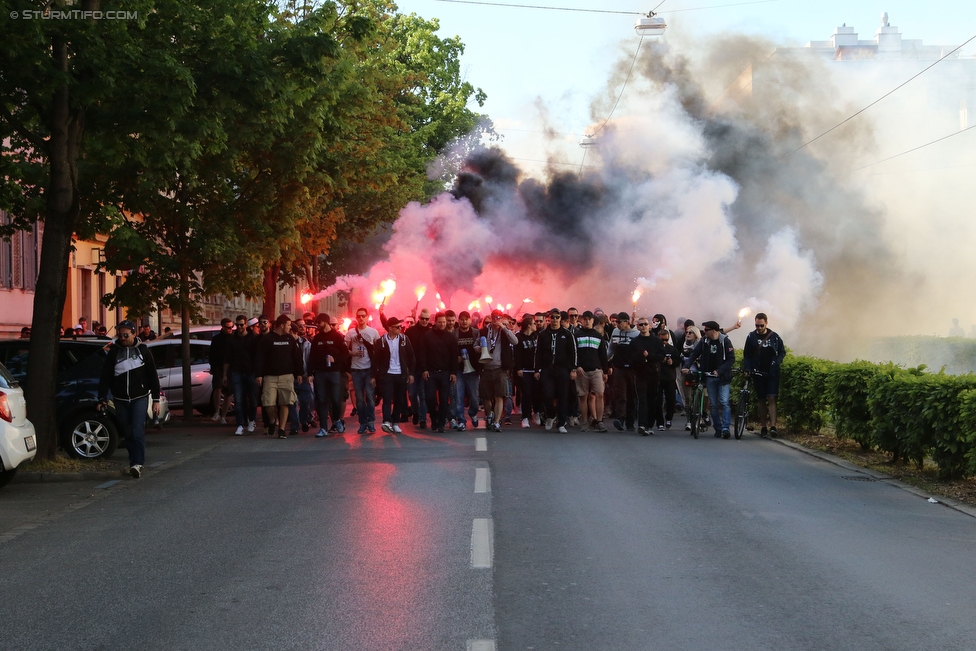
x,y
130,373
762,355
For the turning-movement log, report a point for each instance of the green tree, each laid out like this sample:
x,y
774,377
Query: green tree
x,y
409,105
52,74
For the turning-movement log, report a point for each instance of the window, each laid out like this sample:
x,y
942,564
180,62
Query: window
x,y
18,257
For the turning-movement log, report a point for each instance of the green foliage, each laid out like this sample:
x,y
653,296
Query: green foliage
x,y
955,354
848,398
804,397
967,428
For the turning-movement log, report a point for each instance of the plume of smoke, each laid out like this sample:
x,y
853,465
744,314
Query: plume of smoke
x,y
696,200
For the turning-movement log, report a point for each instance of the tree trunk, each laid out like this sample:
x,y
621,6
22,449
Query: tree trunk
x,y
271,291
61,215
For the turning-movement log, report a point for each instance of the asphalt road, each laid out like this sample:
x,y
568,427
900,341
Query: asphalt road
x,y
539,541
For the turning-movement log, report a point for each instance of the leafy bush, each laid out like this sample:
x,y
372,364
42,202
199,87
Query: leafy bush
x,y
804,397
967,428
848,399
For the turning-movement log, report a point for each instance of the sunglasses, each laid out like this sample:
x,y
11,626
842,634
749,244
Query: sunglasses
x,y
125,335
643,325
425,318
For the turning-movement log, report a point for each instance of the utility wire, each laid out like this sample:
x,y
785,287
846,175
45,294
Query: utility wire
x,y
622,88
901,85
600,11
951,135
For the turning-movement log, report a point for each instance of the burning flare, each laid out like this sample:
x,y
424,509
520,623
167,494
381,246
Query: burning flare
x,y
637,295
420,291
743,312
306,297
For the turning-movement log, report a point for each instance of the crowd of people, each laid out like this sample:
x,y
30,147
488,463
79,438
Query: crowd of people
x,y
556,369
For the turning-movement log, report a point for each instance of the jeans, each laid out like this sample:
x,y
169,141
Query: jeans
x,y
301,411
328,392
555,383
438,388
245,398
394,397
365,396
132,425
665,401
418,399
718,393
467,385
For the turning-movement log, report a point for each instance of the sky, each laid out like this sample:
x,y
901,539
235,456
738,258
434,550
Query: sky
x,y
545,67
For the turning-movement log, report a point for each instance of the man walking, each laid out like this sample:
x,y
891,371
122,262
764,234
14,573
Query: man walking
x,y
715,355
500,341
239,369
623,373
469,350
556,364
360,339
393,371
437,366
326,360
130,373
278,367
417,391
762,356
591,374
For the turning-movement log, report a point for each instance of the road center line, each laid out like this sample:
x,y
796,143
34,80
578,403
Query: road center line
x,y
482,481
481,645
481,544
481,445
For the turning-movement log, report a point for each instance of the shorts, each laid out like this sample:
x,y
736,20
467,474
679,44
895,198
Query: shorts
x,y
766,385
278,390
493,384
589,382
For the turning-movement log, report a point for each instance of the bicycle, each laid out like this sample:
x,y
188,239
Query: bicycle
x,y
742,406
697,412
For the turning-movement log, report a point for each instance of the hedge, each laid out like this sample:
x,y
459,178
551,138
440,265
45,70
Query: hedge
x,y
908,413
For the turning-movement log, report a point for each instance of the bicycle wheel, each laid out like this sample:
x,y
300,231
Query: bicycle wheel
x,y
741,414
696,411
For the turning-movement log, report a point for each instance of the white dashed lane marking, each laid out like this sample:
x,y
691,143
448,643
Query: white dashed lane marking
x,y
481,645
482,480
481,445
481,543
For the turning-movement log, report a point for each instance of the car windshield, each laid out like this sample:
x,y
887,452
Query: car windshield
x,y
7,380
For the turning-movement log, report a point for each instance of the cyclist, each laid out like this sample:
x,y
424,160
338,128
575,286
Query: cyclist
x,y
763,353
715,355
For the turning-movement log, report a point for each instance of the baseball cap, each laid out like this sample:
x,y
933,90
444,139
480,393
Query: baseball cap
x,y
126,324
253,321
587,315
496,313
393,321
711,325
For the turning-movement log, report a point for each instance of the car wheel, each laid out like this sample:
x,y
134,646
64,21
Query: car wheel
x,y
91,436
6,475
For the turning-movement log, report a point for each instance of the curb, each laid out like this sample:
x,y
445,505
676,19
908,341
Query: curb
x,y
878,476
38,477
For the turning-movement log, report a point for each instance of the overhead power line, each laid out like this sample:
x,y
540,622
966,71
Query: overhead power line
x,y
885,160
600,11
901,85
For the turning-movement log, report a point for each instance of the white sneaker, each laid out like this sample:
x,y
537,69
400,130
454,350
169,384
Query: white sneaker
x,y
396,428
250,426
239,431
525,422
563,430
549,422
387,427
538,419
216,417
135,471
321,434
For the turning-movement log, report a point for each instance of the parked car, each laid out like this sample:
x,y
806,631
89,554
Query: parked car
x,y
197,333
85,433
168,355
17,440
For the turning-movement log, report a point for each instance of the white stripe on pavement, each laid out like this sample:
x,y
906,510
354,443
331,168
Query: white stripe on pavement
x,y
481,543
482,481
481,645
481,445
